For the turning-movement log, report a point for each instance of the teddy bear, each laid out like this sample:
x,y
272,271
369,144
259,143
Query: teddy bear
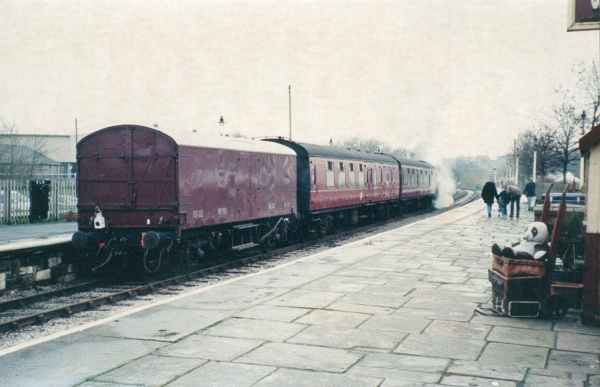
x,y
533,246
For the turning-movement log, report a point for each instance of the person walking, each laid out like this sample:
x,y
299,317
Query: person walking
x,y
530,194
514,194
489,194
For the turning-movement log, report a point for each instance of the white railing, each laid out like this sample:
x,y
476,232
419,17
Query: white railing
x,y
15,201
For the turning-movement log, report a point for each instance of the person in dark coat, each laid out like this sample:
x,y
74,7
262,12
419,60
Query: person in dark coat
x,y
529,192
514,193
489,194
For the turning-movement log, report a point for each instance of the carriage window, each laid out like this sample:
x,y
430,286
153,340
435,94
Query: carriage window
x,y
330,179
341,176
352,175
361,176
387,176
313,168
374,178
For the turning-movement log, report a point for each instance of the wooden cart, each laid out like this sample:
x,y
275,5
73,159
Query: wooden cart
x,y
524,288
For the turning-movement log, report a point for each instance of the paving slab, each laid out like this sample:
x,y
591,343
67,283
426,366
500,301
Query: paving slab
x,y
210,348
556,374
275,313
231,298
302,357
533,337
471,381
578,342
367,309
70,360
360,273
594,380
437,314
296,378
475,368
514,355
373,300
440,304
527,323
573,362
291,276
255,329
397,323
457,329
150,371
396,377
388,289
216,374
102,384
347,338
538,380
163,323
333,318
573,324
342,284
391,382
404,362
306,299
441,346
450,295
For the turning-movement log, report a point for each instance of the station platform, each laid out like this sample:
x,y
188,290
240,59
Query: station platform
x,y
36,231
395,309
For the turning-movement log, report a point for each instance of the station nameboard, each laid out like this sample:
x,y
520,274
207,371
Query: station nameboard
x,y
584,15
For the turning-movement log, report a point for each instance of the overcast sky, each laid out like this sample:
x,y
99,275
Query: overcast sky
x,y
465,76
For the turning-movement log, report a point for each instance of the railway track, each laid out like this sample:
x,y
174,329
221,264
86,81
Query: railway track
x,y
18,313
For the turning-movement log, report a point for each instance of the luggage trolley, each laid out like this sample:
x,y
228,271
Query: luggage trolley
x,y
523,288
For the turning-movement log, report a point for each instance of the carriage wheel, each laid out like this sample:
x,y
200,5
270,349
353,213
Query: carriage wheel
x,y
555,307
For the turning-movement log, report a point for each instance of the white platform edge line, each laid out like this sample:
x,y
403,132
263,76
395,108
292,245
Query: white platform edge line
x,y
202,290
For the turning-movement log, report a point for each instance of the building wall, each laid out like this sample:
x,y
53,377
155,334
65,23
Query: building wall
x,y
593,192
591,291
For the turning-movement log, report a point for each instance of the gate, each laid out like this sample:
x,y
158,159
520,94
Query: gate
x,y
29,199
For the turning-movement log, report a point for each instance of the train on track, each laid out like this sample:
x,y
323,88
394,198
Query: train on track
x,y
145,198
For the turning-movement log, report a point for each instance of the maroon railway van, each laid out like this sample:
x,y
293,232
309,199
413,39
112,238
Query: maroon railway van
x,y
141,188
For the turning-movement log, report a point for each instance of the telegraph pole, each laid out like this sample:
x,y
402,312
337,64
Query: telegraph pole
x,y
290,108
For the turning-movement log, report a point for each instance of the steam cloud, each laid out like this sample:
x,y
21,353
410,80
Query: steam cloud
x,y
446,187
445,181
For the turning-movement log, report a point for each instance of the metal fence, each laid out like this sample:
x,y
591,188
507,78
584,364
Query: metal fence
x,y
17,206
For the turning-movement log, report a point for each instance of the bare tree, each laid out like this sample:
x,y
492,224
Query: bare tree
x,y
566,124
374,146
589,85
583,92
540,139
20,156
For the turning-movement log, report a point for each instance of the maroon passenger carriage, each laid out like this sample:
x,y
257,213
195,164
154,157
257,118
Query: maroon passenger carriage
x,y
144,195
344,185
